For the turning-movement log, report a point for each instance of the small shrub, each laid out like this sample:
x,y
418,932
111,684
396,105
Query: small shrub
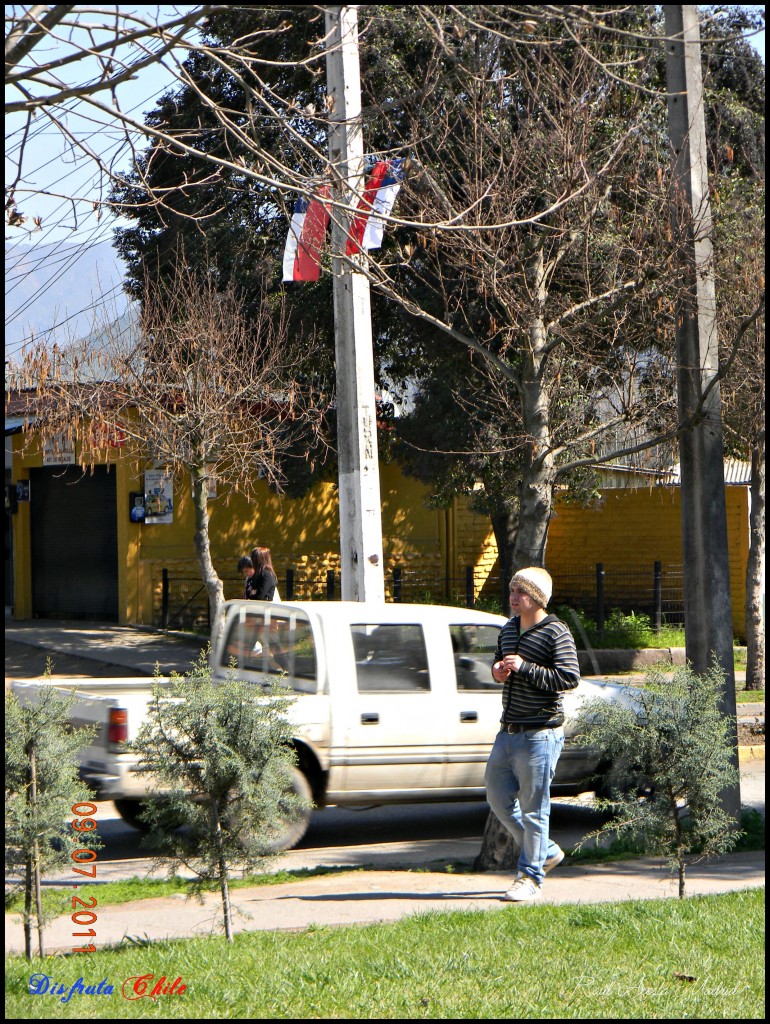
x,y
632,631
222,766
41,787
678,741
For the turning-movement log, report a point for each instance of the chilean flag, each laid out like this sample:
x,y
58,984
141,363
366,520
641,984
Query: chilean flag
x,y
379,196
307,232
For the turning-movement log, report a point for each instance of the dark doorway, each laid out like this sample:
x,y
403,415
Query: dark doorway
x,y
74,525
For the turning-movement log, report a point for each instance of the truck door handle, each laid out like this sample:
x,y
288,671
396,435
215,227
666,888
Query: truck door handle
x,y
469,716
370,718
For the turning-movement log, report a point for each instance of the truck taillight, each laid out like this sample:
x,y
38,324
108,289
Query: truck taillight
x,y
117,726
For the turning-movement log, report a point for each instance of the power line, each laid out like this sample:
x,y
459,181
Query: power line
x,y
93,236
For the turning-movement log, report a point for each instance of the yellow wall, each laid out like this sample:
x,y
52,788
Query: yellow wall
x,y
632,528
302,534
473,543
627,529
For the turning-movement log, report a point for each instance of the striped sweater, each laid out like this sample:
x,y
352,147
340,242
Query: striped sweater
x,y
534,693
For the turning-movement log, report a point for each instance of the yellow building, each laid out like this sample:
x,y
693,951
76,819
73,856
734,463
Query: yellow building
x,y
629,529
77,553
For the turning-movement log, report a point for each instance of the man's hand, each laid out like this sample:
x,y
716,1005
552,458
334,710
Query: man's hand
x,y
502,669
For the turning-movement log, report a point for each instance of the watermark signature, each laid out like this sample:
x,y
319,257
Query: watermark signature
x,y
139,986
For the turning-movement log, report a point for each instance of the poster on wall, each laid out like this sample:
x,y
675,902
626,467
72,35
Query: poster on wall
x,y
158,497
59,451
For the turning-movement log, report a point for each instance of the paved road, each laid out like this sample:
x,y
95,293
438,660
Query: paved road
x,y
380,838
386,837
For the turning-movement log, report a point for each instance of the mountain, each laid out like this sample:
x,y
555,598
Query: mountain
x,y
72,288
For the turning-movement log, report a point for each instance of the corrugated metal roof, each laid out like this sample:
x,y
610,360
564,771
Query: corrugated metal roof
x,y
736,472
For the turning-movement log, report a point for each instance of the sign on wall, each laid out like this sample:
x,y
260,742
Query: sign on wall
x,y
158,497
59,451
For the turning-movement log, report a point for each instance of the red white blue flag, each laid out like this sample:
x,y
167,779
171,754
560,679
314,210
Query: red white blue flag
x,y
377,201
307,233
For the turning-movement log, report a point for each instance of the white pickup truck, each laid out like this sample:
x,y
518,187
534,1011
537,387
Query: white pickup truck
x,y
395,703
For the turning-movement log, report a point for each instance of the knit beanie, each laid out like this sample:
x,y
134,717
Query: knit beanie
x,y
535,582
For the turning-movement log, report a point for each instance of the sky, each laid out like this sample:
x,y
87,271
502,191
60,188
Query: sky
x,y
66,273
66,270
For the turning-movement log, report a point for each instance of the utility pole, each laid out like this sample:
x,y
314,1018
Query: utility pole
x,y
708,615
359,468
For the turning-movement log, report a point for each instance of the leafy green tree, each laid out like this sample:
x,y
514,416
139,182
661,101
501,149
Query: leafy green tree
x,y
41,788
221,762
677,743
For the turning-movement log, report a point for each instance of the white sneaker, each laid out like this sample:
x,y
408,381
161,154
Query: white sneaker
x,y
553,861
522,890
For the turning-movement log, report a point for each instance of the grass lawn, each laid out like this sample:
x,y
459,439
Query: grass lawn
x,y
749,696
670,959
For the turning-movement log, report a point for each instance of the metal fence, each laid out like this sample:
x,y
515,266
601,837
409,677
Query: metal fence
x,y
180,600
657,591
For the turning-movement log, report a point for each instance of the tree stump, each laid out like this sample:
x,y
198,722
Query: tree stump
x,y
498,852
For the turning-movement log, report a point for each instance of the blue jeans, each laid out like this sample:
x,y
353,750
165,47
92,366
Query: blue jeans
x,y
518,781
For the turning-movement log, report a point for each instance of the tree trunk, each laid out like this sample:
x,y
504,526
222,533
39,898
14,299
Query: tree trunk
x,y
755,572
224,886
36,856
536,504
505,528
498,851
214,588
538,477
29,888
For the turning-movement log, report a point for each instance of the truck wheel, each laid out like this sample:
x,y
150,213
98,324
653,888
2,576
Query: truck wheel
x,y
129,810
294,827
608,788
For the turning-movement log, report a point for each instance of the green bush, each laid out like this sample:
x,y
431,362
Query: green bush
x,y
677,743
42,785
220,762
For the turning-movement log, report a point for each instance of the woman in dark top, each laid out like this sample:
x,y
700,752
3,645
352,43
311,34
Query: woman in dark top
x,y
261,586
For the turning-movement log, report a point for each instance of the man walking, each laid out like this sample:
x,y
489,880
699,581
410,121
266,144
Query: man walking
x,y
536,661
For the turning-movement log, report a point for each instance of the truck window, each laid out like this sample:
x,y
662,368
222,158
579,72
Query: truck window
x,y
275,646
474,650
390,658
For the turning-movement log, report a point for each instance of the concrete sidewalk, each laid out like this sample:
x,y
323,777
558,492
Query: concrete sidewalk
x,y
367,897
136,649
